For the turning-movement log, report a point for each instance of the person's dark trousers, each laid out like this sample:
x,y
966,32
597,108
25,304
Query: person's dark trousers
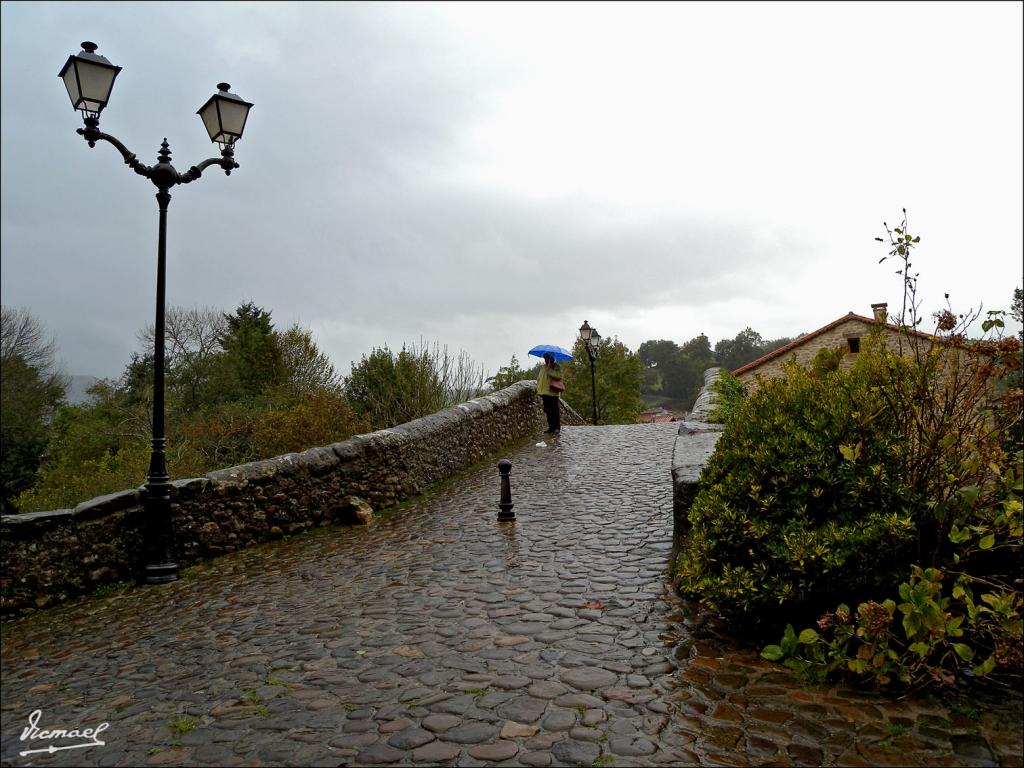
x,y
551,411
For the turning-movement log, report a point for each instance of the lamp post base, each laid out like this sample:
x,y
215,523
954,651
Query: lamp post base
x,y
161,574
159,566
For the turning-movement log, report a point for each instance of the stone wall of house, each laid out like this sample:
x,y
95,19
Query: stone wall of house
x,y
50,556
834,338
694,445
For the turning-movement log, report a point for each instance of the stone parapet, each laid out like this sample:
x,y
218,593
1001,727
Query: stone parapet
x,y
50,556
695,442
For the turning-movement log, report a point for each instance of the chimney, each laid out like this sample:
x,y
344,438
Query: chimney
x,y
880,312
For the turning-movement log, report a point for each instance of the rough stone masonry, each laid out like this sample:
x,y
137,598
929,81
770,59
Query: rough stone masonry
x,y
49,556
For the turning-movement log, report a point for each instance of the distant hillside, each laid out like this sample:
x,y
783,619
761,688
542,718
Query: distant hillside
x,y
77,386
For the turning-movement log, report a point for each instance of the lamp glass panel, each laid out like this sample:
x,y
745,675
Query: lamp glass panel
x,y
232,116
70,78
95,82
210,121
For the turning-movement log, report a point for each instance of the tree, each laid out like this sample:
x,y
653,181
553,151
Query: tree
x,y
95,449
744,348
31,390
461,378
24,337
654,353
253,354
508,375
619,376
193,362
237,391
307,369
699,349
683,373
682,377
388,388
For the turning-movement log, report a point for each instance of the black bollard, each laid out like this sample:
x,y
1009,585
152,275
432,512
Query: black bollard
x,y
505,505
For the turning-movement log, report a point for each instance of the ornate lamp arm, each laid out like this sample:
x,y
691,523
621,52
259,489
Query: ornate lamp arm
x,y
92,134
162,174
225,161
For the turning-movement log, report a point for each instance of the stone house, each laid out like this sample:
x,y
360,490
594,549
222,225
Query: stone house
x,y
845,333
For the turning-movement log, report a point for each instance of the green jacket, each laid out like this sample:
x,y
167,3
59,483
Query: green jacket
x,y
543,388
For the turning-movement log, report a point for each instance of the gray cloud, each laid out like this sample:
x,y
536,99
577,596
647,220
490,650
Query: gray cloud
x,y
379,198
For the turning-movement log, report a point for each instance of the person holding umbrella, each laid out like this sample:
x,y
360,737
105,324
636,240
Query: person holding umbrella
x,y
549,383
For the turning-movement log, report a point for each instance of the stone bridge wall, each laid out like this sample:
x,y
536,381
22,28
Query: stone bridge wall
x,y
50,556
694,445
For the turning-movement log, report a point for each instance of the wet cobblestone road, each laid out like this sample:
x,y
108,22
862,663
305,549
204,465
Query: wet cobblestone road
x,y
438,636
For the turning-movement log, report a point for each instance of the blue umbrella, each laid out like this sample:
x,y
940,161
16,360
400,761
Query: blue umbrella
x,y
558,352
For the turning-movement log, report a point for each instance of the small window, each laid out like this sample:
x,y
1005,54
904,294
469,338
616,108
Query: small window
x,y
854,344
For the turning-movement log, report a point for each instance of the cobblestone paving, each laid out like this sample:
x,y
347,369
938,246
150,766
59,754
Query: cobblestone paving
x,y
439,636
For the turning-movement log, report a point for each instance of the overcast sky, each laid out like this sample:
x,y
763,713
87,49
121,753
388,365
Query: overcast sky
x,y
488,176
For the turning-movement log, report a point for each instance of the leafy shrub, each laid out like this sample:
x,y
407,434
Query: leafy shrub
x,y
953,406
510,374
785,517
320,418
936,631
729,393
65,481
223,435
388,388
237,391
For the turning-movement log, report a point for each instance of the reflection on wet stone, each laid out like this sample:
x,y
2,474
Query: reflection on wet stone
x,y
438,636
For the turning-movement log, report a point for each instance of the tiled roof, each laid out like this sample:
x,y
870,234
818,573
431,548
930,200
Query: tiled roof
x,y
808,336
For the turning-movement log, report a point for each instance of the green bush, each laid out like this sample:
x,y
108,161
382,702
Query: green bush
x,y
66,480
899,478
802,500
948,621
729,394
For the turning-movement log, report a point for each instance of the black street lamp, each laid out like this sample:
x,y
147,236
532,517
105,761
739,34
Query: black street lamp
x,y
89,79
591,340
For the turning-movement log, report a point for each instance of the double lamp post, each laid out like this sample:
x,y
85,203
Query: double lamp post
x,y
89,78
592,341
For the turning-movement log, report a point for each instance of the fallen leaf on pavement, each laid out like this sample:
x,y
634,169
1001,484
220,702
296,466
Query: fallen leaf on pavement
x,y
407,651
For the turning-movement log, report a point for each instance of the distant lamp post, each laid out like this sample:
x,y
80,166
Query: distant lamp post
x,y
89,78
591,340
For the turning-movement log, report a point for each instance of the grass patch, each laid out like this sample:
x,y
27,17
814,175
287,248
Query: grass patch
x,y
262,711
961,707
183,724
895,730
106,590
250,696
